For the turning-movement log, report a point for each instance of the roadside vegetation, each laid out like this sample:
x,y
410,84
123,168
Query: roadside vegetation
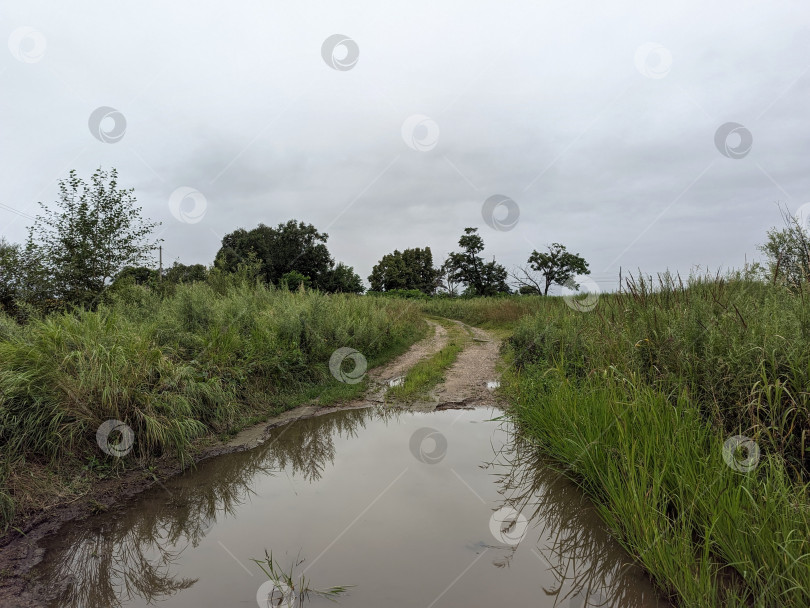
x,y
639,401
204,361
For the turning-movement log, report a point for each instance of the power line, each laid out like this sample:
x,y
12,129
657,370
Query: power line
x,y
20,213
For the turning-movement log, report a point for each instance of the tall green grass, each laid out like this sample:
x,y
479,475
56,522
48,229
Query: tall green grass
x,y
203,361
739,350
707,534
636,398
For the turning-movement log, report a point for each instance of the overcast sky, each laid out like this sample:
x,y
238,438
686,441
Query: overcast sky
x,y
599,120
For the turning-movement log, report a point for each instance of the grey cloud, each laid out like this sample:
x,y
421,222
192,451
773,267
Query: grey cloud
x,y
237,102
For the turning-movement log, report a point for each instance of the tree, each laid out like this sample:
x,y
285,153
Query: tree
x,y
24,281
557,266
9,275
291,246
94,232
342,279
136,275
185,273
409,269
482,278
788,251
149,277
445,280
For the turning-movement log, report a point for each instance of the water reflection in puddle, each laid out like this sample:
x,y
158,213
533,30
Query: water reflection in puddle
x,y
414,509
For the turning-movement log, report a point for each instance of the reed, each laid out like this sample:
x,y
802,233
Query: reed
x,y
289,589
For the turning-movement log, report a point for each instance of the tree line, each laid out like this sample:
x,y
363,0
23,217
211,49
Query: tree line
x,y
94,238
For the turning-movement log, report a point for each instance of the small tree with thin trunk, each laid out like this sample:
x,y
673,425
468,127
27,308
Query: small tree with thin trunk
x,y
95,231
445,279
557,266
788,251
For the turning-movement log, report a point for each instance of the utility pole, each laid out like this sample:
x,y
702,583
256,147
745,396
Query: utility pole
x,y
160,258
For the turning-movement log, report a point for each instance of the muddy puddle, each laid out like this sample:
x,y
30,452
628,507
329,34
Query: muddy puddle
x,y
443,509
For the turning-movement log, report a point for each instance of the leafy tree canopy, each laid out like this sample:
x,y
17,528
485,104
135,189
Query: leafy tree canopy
x,y
94,231
557,266
9,277
292,246
137,275
342,279
177,273
407,270
482,278
788,251
185,273
293,280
